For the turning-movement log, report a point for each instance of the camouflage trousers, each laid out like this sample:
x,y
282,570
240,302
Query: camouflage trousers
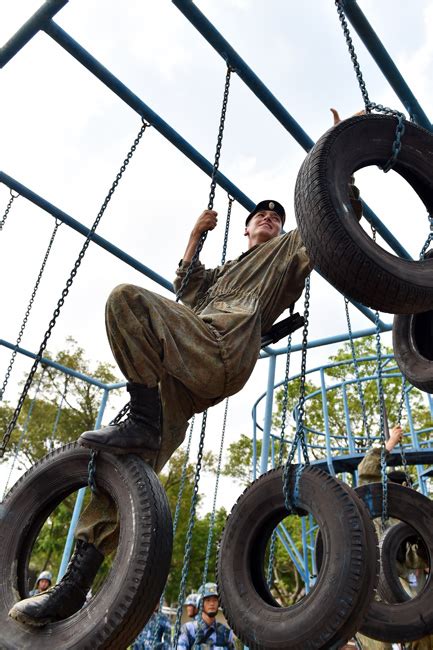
x,y
157,341
426,643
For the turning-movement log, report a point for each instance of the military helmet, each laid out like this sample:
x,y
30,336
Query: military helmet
x,y
192,599
45,575
206,590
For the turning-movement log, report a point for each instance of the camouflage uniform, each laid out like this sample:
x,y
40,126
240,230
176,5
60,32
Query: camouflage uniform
x,y
199,635
162,634
201,352
369,471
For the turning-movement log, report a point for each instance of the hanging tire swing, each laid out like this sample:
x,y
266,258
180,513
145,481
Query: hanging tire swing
x,y
412,340
338,246
393,553
114,616
413,619
332,611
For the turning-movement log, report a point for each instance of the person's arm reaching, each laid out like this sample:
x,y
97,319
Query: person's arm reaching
x,y
201,279
369,470
206,221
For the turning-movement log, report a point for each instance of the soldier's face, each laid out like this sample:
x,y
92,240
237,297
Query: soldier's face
x,y
210,605
191,611
263,226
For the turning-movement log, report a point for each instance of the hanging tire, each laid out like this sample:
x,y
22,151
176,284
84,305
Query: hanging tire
x,y
393,547
337,244
332,604
411,620
371,543
114,616
412,340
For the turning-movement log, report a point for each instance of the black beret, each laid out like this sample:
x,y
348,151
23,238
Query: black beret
x,y
268,205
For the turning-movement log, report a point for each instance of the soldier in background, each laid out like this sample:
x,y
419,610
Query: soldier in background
x,y
206,631
156,633
43,582
369,471
191,605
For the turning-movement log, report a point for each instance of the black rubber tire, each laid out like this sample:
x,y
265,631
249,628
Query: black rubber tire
x,y
390,588
127,598
411,620
332,604
337,244
372,565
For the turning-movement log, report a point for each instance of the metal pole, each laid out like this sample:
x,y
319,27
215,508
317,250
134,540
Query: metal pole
x,y
78,227
29,29
103,74
385,63
268,415
219,43
78,503
347,418
326,422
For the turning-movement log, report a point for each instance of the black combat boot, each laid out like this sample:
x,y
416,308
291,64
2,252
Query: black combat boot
x,y
65,598
139,434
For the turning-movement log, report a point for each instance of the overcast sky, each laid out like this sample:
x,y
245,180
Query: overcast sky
x,y
64,136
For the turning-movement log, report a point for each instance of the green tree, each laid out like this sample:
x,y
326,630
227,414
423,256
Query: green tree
x,y
79,410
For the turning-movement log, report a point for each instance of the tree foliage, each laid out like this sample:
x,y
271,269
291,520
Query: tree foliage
x,y
47,428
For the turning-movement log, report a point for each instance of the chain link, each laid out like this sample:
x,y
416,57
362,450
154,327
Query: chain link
x,y
381,422
357,375
8,207
188,542
428,240
65,291
27,313
212,517
177,511
94,454
273,545
213,184
300,436
399,419
370,106
226,231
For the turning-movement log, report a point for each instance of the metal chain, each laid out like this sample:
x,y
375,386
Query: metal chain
x,y
280,451
177,510
27,313
94,454
8,207
226,231
300,431
188,541
65,291
428,240
384,517
357,374
212,517
369,106
213,184
399,419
